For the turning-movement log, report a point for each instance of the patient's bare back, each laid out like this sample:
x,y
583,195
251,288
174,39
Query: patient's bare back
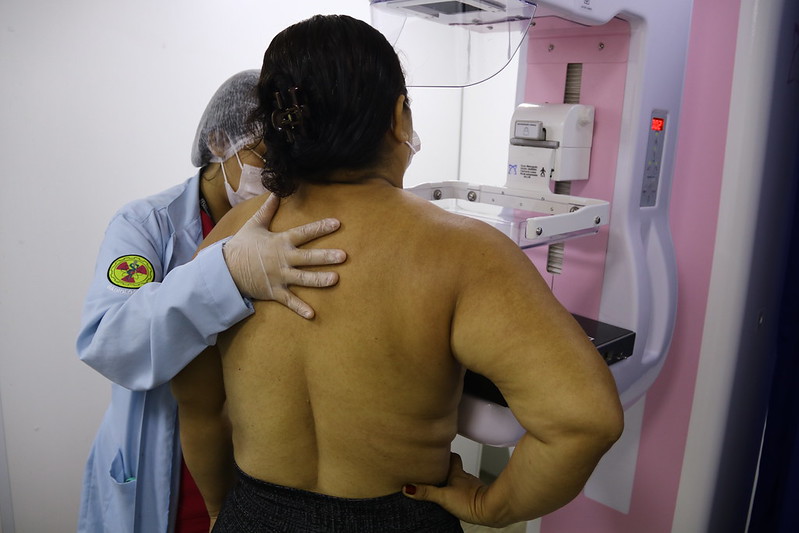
x,y
363,398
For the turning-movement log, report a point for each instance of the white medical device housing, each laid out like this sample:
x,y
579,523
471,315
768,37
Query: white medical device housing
x,y
549,142
474,13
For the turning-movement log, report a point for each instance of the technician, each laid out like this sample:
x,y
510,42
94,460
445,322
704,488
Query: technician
x,y
151,309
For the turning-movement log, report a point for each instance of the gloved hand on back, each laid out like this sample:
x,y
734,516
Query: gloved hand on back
x,y
263,264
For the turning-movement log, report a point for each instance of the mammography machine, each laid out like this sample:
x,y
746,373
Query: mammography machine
x,y
591,147
590,141
693,148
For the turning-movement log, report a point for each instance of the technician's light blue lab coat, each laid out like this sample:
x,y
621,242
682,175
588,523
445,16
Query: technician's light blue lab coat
x,y
140,339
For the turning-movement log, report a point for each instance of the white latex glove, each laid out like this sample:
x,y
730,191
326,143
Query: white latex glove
x,y
263,263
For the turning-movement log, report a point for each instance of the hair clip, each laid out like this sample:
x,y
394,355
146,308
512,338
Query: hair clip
x,y
288,119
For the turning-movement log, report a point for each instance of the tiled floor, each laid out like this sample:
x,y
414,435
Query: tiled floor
x,y
471,528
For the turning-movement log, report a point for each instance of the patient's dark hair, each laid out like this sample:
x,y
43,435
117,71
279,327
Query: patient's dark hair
x,y
347,79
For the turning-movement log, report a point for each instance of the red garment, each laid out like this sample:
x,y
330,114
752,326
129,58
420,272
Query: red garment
x,y
192,516
208,223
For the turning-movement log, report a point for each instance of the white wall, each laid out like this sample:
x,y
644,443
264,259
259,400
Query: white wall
x,y
98,106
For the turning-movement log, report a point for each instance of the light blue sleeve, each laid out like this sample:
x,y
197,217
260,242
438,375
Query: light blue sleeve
x,y
141,338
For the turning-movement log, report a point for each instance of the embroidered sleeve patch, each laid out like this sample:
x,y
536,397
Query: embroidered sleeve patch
x,y
130,272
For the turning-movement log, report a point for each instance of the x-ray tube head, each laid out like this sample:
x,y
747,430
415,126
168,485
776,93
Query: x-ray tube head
x,y
453,43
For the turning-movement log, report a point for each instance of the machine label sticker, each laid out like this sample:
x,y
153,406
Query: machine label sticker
x,y
130,272
529,171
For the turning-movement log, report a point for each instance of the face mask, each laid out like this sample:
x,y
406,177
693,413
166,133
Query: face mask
x,y
415,144
250,184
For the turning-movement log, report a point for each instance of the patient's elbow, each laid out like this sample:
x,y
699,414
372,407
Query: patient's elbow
x,y
613,429
594,426
605,426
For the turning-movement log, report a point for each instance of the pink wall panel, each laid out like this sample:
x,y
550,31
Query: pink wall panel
x,y
553,44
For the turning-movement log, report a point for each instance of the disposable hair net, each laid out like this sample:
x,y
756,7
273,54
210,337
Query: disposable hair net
x,y
225,128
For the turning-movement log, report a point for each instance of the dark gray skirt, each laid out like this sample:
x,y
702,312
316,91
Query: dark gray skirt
x,y
255,506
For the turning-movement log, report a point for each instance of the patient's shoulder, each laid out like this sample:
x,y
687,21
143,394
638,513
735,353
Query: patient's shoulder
x,y
481,253
477,237
456,225
239,214
233,220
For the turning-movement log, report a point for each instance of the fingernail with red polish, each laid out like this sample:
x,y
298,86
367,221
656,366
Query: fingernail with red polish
x,y
409,489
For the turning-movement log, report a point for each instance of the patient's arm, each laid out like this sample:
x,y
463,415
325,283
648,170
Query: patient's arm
x,y
205,433
508,327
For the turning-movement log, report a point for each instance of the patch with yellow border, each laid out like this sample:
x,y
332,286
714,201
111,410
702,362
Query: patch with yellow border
x,y
130,272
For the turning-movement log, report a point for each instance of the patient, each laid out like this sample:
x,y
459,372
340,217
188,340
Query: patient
x,y
344,423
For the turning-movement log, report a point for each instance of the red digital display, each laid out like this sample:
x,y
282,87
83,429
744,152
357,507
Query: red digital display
x,y
658,123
